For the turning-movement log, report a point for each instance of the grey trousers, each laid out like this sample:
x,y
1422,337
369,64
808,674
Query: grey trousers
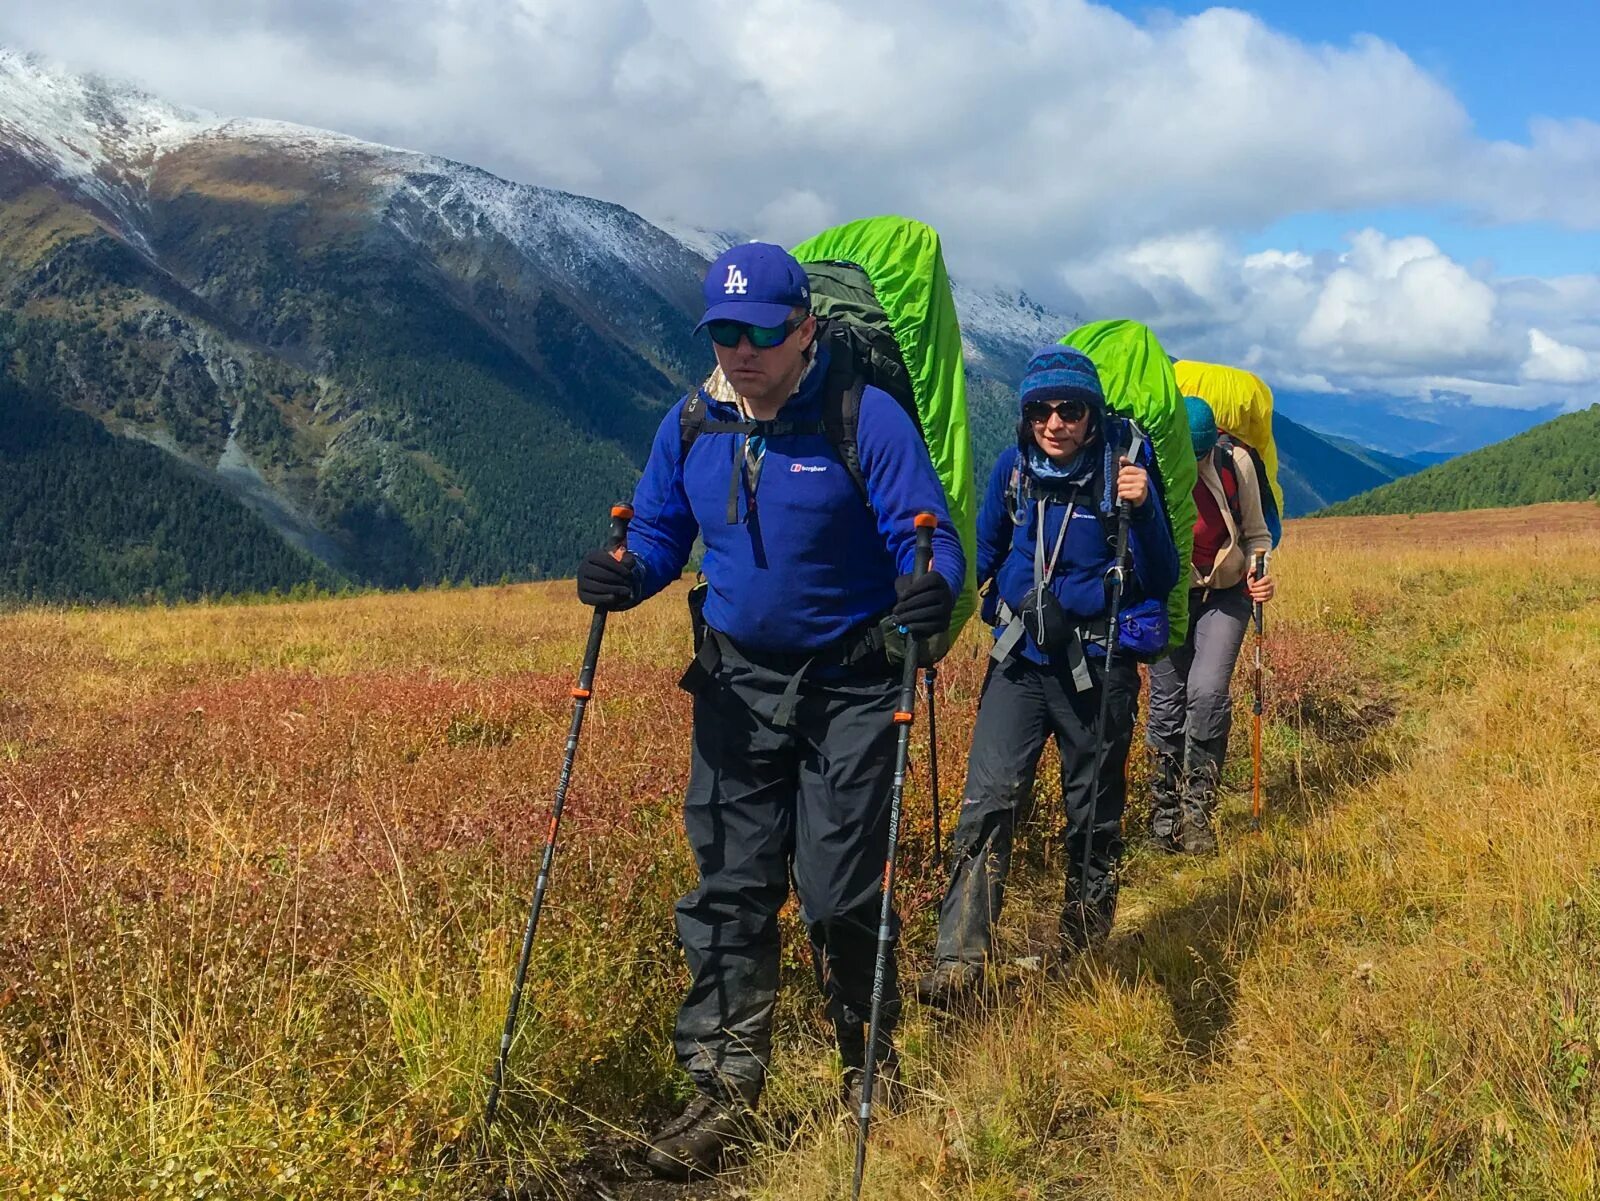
x,y
1022,707
1191,705
769,801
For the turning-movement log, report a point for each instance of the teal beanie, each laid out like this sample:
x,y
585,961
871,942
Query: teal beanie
x,y
1202,425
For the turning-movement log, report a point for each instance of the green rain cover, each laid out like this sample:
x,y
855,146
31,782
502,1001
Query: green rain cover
x,y
1139,383
905,265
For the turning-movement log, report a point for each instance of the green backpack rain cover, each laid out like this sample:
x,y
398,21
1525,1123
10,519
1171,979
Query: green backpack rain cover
x,y
1139,383
880,288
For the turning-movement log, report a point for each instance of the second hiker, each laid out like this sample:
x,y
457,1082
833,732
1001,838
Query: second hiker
x,y
1046,532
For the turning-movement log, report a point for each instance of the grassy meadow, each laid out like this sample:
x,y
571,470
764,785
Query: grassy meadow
x,y
264,869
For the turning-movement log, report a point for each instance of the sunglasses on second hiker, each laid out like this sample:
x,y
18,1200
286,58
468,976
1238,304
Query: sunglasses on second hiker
x,y
762,337
1068,410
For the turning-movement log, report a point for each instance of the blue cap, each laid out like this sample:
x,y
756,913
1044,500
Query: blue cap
x,y
756,283
1057,372
1202,425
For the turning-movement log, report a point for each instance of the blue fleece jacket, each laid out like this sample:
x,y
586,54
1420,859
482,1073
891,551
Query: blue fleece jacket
x,y
1006,549
810,562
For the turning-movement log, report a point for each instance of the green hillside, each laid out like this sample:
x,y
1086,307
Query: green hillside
x,y
1559,460
412,407
85,515
1316,470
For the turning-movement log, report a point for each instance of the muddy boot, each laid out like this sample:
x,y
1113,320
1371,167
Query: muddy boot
x,y
1201,777
1085,928
1166,797
950,985
886,1090
698,1141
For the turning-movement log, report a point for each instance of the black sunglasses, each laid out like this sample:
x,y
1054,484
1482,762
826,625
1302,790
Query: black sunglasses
x,y
762,337
1068,410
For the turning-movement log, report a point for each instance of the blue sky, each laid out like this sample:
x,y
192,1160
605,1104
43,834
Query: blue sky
x,y
1506,63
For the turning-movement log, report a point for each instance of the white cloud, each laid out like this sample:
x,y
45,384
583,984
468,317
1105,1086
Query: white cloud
x,y
1025,130
1402,302
1555,362
1108,165
1391,315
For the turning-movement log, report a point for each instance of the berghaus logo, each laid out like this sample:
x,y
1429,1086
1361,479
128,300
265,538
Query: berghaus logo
x,y
808,467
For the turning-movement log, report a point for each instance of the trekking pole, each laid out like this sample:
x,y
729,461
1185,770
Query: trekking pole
x,y
1117,576
1257,570
930,678
620,516
926,523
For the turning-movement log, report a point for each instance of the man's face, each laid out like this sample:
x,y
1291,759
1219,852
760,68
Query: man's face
x,y
767,374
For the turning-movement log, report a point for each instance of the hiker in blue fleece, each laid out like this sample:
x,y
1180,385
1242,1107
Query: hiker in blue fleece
x,y
1045,547
794,690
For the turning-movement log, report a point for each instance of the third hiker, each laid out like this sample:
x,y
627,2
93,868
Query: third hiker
x,y
1191,708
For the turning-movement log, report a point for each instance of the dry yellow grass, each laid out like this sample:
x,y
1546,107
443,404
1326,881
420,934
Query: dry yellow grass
x,y
1394,993
264,867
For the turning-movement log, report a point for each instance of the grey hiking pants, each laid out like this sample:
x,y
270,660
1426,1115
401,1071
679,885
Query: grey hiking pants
x,y
1191,705
769,801
1023,705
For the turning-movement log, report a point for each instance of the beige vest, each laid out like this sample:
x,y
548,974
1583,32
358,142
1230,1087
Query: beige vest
x,y
1233,560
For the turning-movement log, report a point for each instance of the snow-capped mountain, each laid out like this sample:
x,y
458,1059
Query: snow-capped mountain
x,y
110,144
410,367
406,366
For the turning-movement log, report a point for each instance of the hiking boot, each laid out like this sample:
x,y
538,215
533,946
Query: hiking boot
x,y
1077,931
698,1141
1073,938
1195,835
886,1088
1166,795
1197,801
950,984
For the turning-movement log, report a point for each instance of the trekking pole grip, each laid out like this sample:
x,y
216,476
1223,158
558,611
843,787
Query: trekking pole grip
x,y
621,515
1258,568
925,523
617,544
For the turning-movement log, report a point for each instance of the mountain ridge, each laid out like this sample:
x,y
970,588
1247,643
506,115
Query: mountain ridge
x,y
1556,461
407,367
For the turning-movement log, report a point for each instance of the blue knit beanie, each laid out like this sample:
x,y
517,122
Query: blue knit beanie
x,y
1202,425
1058,372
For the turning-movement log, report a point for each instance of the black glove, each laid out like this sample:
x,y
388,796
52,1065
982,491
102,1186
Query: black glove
x,y
924,604
604,582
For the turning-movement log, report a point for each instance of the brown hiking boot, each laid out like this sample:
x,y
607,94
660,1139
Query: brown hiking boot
x,y
1195,835
1195,805
697,1142
950,985
886,1088
1166,801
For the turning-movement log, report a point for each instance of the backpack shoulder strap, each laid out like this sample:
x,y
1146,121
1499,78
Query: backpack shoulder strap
x,y
691,422
841,420
1014,489
1228,476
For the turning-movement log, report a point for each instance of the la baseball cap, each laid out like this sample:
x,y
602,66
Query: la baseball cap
x,y
756,283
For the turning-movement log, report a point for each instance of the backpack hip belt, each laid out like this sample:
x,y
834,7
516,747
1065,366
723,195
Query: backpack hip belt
x,y
1094,633
857,646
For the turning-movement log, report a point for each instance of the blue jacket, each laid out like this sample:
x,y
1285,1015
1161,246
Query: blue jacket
x,y
811,562
1006,550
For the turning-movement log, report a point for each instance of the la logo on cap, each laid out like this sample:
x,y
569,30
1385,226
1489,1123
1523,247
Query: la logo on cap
x,y
736,282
